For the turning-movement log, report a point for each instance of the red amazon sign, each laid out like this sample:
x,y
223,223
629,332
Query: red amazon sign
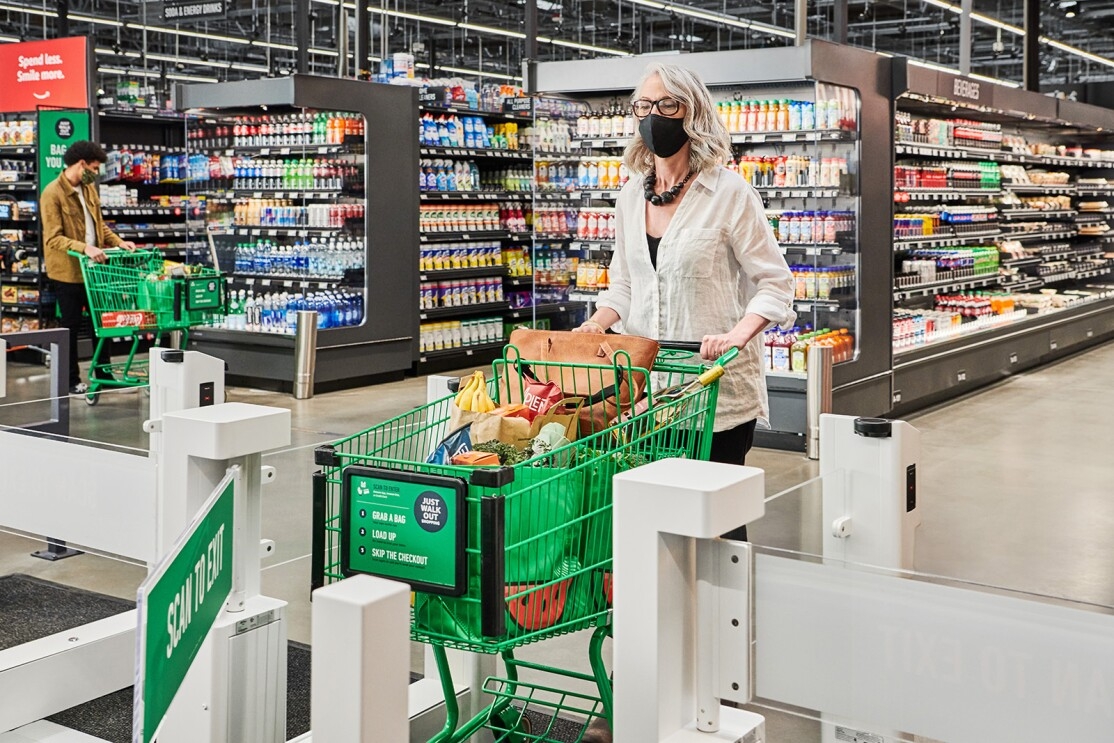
x,y
52,73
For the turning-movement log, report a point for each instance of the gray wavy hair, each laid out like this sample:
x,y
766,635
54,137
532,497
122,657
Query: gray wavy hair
x,y
711,144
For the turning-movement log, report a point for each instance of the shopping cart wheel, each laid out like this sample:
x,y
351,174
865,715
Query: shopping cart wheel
x,y
92,398
512,726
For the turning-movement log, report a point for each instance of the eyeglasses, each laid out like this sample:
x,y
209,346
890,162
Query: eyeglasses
x,y
666,107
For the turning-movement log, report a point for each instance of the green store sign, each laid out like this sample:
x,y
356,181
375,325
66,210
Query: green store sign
x,y
178,604
58,129
404,526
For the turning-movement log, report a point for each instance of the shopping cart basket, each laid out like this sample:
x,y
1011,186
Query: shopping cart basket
x,y
131,294
502,557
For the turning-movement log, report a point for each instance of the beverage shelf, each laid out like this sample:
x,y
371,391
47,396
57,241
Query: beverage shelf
x,y
460,111
428,196
145,233
799,192
18,186
280,193
946,286
1019,262
803,135
580,244
584,295
463,310
1028,284
435,238
293,149
463,273
599,143
811,248
259,231
946,241
817,305
17,149
903,195
435,151
283,282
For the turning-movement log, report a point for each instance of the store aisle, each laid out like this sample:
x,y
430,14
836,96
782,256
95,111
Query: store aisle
x,y
1015,486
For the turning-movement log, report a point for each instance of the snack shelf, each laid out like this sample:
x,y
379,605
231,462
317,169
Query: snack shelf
x,y
903,195
549,308
1008,214
463,273
28,278
1039,189
464,352
467,310
27,310
1019,262
1027,236
1000,156
450,237
18,186
1021,286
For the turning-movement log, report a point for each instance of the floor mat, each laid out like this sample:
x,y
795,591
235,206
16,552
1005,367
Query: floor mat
x,y
32,608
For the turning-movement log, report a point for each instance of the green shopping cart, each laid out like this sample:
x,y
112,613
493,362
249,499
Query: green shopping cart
x,y
500,557
132,294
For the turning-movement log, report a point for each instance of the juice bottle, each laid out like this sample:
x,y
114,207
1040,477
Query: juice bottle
x,y
782,116
762,124
798,353
781,350
751,124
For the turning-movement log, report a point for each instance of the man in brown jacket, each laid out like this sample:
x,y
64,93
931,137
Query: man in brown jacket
x,y
70,209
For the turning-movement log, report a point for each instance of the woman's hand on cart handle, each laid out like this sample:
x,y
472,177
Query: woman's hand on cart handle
x,y
714,346
128,245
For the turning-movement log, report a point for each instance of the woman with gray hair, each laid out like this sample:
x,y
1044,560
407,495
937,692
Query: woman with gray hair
x,y
695,258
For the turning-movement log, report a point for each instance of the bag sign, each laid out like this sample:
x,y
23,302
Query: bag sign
x,y
177,606
58,129
405,526
203,294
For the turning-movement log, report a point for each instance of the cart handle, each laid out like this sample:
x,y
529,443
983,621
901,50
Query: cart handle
x,y
110,251
694,346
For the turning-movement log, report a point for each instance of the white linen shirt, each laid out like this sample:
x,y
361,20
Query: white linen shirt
x,y
717,261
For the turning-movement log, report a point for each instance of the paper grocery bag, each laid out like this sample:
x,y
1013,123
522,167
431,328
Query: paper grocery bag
x,y
510,430
566,412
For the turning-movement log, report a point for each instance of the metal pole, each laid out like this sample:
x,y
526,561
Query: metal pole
x,y
63,18
965,41
529,64
800,20
839,20
342,40
301,35
305,354
1032,56
818,394
363,38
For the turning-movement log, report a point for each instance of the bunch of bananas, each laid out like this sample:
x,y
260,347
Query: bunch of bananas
x,y
473,395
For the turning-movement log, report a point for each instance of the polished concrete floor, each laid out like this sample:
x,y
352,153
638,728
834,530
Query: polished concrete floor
x,y
1015,486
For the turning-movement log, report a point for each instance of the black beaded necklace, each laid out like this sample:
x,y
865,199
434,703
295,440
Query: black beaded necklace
x,y
666,196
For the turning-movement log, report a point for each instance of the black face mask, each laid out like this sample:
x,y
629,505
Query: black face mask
x,y
663,136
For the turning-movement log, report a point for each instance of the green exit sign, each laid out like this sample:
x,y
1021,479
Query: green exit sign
x,y
405,526
178,604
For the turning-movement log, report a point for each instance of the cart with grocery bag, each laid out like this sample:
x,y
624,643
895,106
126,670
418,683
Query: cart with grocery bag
x,y
494,504
139,292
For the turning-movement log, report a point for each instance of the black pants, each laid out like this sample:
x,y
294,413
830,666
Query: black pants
x,y
71,301
731,447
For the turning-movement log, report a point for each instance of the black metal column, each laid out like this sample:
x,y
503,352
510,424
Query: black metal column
x,y
301,35
529,64
63,18
363,38
839,21
1032,68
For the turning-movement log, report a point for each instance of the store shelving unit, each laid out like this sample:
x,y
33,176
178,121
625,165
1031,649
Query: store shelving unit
x,y
345,251
1050,251
24,302
816,71
458,332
